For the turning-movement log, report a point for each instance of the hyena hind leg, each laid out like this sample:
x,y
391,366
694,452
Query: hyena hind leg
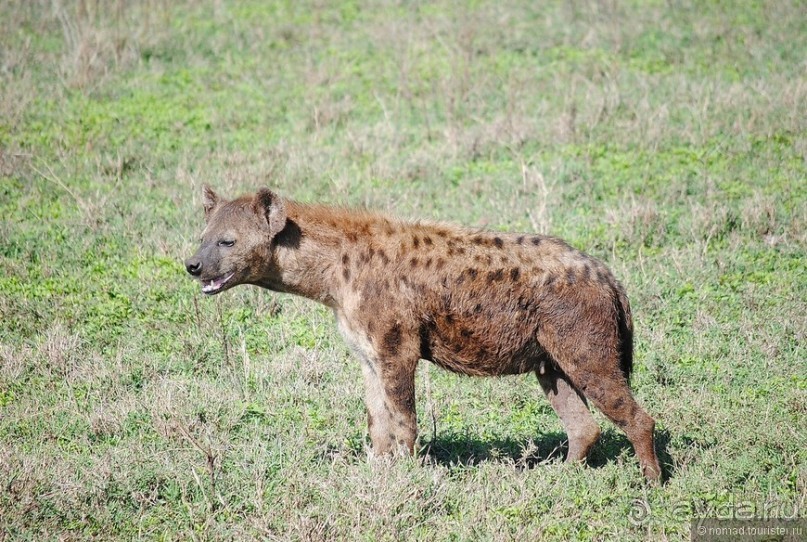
x,y
571,407
611,394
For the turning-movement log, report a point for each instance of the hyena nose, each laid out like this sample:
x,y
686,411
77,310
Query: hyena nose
x,y
194,267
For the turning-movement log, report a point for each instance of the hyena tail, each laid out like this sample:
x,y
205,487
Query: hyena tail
x,y
625,324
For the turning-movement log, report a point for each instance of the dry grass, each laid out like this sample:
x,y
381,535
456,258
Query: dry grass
x,y
668,140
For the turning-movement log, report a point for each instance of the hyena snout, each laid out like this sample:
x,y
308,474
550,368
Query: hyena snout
x,y
193,266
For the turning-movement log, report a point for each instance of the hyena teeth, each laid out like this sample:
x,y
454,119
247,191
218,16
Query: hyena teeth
x,y
215,284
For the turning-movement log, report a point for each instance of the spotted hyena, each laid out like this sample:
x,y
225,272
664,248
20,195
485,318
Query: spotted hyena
x,y
474,302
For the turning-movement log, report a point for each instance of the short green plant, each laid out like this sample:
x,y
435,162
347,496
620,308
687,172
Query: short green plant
x,y
668,140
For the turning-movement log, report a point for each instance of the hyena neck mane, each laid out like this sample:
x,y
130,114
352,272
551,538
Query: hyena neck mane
x,y
322,249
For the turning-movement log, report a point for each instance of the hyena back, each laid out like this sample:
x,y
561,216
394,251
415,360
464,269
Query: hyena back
x,y
474,302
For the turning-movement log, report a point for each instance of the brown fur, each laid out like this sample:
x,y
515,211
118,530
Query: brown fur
x,y
473,302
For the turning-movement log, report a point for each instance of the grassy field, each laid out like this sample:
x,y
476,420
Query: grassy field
x,y
667,138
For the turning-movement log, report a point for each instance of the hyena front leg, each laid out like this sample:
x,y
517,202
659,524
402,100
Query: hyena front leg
x,y
390,400
388,366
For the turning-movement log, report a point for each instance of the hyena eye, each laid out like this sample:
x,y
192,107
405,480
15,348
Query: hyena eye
x,y
226,243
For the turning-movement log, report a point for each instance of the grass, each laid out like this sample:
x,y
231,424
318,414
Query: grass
x,y
666,138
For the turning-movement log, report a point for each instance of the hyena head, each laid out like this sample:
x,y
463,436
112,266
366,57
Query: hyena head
x,y
236,245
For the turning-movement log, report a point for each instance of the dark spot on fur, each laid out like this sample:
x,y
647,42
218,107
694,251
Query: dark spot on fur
x,y
428,263
346,273
449,319
289,236
413,263
478,308
425,342
440,263
345,259
466,333
460,250
494,276
586,275
428,241
402,393
371,252
571,278
392,340
498,243
352,237
416,241
370,327
477,257
472,272
383,256
536,241
514,273
478,240
441,233
520,239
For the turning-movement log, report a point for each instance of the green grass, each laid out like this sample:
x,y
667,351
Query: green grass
x,y
667,139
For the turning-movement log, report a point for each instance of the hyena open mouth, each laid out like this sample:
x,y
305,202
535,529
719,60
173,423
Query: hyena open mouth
x,y
213,286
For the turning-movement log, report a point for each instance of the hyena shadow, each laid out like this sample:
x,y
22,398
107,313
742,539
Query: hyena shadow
x,y
463,450
613,444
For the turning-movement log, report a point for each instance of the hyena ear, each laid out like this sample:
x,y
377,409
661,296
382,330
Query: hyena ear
x,y
210,200
270,206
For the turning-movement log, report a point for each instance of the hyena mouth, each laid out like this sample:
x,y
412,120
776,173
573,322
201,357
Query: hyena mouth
x,y
214,285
